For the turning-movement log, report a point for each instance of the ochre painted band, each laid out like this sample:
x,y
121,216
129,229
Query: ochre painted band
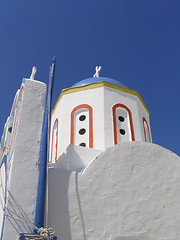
x,y
97,85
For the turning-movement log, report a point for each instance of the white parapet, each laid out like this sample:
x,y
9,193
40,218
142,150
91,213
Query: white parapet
x,y
130,191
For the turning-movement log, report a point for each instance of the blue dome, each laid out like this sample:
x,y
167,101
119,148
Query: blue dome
x,y
98,79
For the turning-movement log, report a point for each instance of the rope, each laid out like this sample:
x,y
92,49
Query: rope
x,y
13,224
11,216
22,212
18,215
16,220
44,234
19,218
4,208
11,212
47,233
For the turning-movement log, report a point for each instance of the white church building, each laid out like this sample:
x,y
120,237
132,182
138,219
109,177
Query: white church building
x,y
105,180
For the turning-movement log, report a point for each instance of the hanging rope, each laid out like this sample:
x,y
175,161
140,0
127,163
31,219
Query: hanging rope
x,y
13,213
44,234
17,216
21,212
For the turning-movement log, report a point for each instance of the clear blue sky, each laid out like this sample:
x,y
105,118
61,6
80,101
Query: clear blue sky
x,y
135,41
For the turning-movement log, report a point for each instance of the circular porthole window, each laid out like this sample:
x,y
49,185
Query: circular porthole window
x,y
82,131
121,119
82,118
122,131
82,144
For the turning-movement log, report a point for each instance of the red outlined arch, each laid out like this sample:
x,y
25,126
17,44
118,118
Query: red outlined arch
x,y
114,121
56,146
89,108
145,122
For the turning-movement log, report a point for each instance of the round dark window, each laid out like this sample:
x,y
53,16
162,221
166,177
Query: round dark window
x,y
122,131
82,131
82,118
82,144
121,119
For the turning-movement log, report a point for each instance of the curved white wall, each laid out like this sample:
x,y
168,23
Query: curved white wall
x,y
130,191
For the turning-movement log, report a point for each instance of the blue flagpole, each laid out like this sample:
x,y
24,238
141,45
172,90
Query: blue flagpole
x,y
44,153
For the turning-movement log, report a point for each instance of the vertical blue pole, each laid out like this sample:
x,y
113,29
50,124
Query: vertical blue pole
x,y
43,161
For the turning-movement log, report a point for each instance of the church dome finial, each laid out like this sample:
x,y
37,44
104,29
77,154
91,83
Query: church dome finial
x,y
98,69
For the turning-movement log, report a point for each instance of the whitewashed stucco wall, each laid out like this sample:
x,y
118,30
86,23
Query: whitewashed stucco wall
x,y
24,165
130,191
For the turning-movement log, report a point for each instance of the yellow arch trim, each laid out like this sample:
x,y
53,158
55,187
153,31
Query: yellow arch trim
x,y
97,85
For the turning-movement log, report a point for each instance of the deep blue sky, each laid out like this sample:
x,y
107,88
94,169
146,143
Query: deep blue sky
x,y
135,41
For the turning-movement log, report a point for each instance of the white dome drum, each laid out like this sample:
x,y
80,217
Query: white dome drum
x,y
97,113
